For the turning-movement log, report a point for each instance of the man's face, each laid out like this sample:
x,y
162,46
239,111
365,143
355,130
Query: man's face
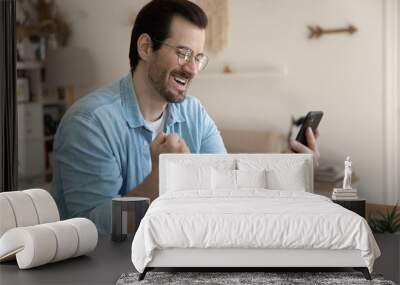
x,y
170,79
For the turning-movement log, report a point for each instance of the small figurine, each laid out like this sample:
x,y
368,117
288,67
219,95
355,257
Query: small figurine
x,y
347,174
346,192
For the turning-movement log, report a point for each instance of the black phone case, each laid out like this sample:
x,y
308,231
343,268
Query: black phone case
x,y
312,120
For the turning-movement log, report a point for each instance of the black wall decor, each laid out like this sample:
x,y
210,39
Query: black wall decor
x,y
8,115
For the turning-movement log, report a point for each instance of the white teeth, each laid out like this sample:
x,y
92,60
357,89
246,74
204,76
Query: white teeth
x,y
180,80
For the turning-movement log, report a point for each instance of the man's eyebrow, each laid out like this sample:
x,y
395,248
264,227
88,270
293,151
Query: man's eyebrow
x,y
189,49
184,47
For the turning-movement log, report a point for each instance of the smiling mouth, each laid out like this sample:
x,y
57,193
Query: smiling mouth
x,y
181,80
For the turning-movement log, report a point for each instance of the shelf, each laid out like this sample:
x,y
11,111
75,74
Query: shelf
x,y
274,71
270,72
239,75
29,65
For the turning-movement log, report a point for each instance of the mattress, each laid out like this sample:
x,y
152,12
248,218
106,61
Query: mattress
x,y
252,219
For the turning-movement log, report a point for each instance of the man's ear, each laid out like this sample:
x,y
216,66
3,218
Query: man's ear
x,y
144,46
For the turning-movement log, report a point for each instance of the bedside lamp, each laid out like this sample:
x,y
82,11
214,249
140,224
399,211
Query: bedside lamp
x,y
68,68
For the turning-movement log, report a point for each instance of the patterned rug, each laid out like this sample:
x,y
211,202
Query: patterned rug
x,y
244,278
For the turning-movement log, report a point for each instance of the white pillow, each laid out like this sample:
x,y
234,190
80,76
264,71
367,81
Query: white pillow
x,y
184,177
251,178
291,178
282,174
223,179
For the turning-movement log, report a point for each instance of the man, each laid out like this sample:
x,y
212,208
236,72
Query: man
x,y
108,143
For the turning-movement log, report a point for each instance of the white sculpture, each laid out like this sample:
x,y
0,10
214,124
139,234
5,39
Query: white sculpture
x,y
347,174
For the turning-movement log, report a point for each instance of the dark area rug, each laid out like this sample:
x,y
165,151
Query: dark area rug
x,y
228,278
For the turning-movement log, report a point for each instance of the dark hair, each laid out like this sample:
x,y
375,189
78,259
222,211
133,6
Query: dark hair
x,y
155,19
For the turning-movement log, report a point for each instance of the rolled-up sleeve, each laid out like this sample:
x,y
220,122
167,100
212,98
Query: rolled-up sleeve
x,y
88,172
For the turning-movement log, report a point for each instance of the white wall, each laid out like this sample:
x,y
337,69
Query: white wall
x,y
104,27
339,74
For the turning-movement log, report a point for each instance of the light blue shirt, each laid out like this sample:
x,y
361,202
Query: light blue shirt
x,y
102,148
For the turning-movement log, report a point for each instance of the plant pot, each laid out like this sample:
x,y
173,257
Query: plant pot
x,y
388,263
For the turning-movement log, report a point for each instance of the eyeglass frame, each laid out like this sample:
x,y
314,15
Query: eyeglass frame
x,y
187,55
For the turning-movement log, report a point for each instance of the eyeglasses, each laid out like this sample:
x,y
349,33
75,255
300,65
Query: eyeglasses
x,y
185,55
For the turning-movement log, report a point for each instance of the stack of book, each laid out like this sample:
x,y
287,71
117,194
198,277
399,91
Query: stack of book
x,y
344,194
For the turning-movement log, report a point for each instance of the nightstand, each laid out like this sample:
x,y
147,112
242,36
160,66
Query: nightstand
x,y
356,205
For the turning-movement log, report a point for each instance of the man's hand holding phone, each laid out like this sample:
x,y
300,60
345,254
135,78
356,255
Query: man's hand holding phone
x,y
312,145
306,140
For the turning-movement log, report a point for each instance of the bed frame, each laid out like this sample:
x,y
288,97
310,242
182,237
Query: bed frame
x,y
260,259
245,259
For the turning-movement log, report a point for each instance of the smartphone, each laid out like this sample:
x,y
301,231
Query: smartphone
x,y
312,120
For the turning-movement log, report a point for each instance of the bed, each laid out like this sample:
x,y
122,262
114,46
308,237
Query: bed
x,y
247,211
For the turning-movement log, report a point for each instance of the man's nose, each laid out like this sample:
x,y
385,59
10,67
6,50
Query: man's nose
x,y
191,67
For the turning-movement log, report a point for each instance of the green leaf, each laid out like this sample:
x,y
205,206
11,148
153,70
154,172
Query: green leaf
x,y
388,221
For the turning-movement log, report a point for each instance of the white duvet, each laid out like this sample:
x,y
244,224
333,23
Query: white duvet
x,y
250,218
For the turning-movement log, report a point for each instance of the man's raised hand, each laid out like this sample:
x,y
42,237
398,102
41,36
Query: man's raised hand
x,y
166,143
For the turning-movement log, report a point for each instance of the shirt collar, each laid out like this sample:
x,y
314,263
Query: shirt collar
x,y
174,114
131,109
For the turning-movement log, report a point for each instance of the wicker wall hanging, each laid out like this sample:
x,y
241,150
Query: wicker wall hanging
x,y
218,24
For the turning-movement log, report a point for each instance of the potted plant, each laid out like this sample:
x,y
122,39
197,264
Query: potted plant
x,y
386,229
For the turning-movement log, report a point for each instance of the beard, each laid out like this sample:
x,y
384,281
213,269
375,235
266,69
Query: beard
x,y
164,83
